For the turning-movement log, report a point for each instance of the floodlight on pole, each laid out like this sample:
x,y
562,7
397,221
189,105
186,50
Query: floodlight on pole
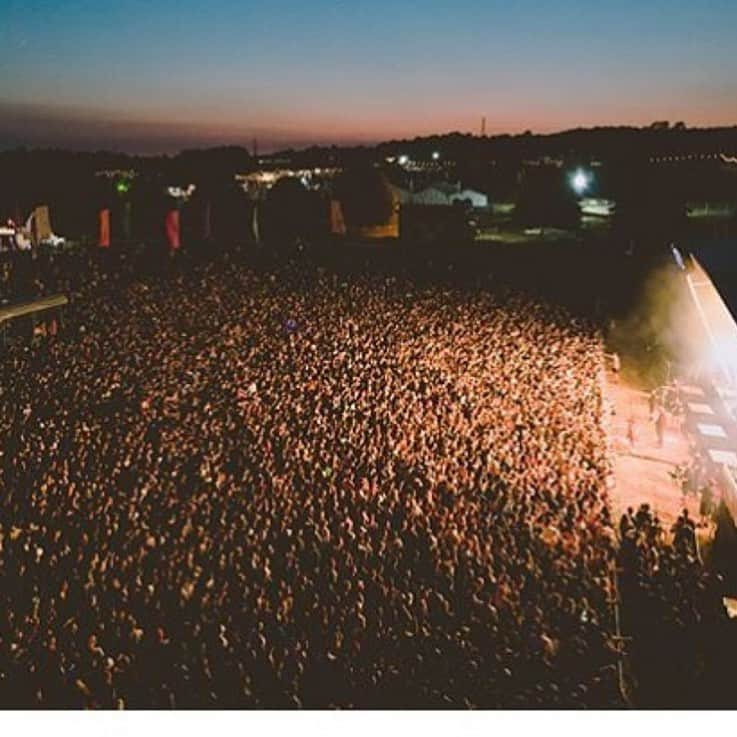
x,y
580,181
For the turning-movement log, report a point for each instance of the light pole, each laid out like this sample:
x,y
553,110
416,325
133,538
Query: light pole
x,y
580,181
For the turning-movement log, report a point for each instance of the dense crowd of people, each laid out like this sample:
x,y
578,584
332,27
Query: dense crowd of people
x,y
28,275
683,644
237,488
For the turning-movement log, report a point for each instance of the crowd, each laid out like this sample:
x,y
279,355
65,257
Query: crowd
x,y
695,479
682,645
293,489
28,275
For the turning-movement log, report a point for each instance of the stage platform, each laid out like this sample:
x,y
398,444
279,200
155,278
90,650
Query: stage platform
x,y
643,469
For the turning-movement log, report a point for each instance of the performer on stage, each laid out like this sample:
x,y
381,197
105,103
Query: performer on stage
x,y
661,421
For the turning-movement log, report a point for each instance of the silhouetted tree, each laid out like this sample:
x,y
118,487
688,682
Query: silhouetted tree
x,y
546,199
149,203
365,196
288,212
651,207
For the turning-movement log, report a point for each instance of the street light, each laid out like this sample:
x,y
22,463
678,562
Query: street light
x,y
580,181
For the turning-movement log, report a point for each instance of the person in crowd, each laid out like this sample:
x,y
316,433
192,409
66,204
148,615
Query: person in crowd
x,y
631,432
652,403
661,423
626,522
706,505
682,642
616,365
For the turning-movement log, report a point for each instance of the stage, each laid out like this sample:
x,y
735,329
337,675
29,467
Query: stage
x,y
643,469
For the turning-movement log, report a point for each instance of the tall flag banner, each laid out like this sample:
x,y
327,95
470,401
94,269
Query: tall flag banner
x,y
255,225
172,229
41,224
104,229
337,222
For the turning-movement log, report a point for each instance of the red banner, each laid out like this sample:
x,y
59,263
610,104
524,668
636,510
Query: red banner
x,y
337,222
172,229
104,219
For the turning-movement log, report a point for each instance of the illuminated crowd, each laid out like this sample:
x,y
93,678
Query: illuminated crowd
x,y
294,489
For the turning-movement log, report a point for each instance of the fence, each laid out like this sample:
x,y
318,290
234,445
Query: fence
x,y
31,310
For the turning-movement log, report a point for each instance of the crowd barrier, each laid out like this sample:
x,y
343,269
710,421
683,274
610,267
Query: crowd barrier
x,y
10,312
38,315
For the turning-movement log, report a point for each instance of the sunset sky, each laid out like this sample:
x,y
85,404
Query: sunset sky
x,y
148,76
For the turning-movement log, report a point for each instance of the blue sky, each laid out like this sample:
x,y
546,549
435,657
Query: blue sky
x,y
152,76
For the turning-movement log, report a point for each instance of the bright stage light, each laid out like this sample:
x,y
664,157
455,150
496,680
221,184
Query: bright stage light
x,y
435,155
403,159
719,352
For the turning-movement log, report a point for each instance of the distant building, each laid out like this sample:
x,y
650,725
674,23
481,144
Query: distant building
x,y
445,193
478,200
555,161
597,206
181,193
257,182
710,209
116,173
402,196
436,164
436,194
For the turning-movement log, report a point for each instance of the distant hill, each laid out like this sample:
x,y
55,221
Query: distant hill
x,y
186,162
601,142
66,179
658,139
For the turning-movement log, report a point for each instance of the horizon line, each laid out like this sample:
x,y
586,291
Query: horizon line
x,y
301,147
